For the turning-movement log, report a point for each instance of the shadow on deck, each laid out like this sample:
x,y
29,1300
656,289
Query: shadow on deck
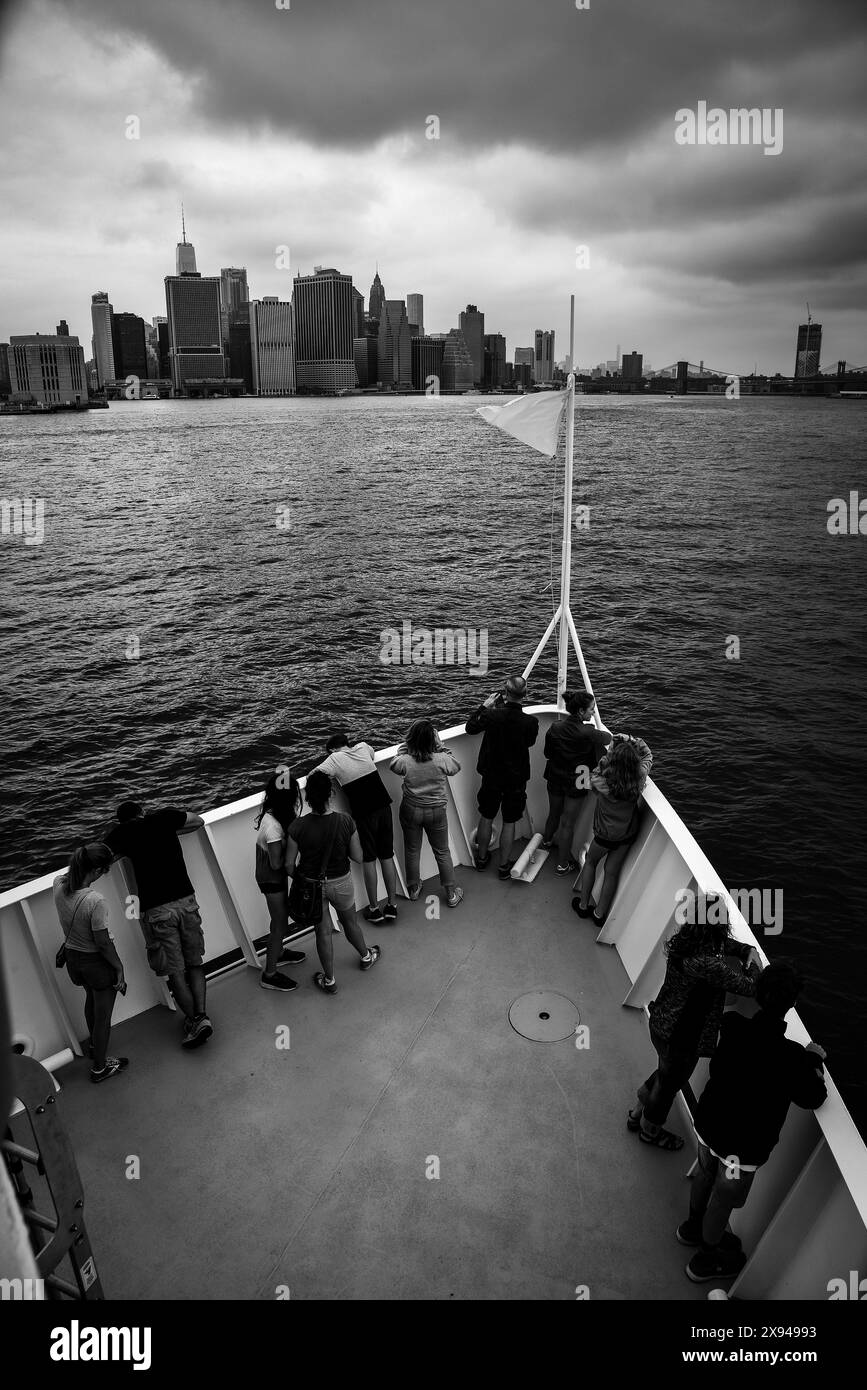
x,y
263,1167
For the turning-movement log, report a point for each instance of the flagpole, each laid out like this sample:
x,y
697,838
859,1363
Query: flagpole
x,y
566,561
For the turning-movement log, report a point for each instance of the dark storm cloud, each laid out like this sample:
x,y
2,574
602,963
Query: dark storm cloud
x,y
348,72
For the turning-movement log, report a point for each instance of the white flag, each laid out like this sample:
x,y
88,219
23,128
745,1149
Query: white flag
x,y
534,419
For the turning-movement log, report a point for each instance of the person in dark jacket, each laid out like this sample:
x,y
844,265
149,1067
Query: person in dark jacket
x,y
756,1073
573,747
504,764
618,781
703,964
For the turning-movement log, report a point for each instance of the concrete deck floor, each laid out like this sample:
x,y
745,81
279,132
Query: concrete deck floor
x,y
305,1168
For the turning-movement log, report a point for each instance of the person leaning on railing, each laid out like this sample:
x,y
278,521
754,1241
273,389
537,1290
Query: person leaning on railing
x,y
618,781
424,764
90,955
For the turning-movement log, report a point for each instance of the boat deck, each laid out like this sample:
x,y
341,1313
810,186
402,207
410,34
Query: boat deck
x,y
263,1167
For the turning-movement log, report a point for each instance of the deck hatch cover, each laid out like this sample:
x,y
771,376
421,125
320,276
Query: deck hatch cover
x,y
543,1016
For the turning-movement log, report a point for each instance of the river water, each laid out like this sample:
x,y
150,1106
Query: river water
x,y
215,576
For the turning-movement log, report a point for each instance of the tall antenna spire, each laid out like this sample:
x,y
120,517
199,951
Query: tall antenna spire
x,y
183,225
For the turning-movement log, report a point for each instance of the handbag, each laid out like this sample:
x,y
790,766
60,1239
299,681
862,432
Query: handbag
x,y
305,895
60,958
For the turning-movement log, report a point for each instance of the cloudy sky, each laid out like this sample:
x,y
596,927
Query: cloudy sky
x,y
307,127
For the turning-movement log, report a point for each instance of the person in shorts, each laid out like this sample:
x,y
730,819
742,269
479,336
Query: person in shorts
x,y
573,747
168,912
308,839
281,804
504,764
92,961
353,768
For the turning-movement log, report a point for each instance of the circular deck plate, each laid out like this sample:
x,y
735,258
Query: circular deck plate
x,y
543,1016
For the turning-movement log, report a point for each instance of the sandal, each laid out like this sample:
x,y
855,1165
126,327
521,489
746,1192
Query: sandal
x,y
319,982
662,1139
582,911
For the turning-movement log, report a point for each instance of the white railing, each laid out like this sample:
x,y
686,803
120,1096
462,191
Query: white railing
x,y
806,1219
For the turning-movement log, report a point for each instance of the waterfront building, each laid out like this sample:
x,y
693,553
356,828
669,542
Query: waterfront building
x,y
809,349
366,354
525,356
62,329
457,368
47,369
395,345
193,310
129,346
376,298
631,365
471,323
543,355
415,312
103,350
357,313
272,354
427,361
495,361
324,357
5,377
233,293
240,351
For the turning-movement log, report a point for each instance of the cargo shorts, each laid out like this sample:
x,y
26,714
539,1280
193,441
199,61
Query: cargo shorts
x,y
173,936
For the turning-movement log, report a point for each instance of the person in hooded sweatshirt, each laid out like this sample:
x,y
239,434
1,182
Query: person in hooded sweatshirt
x,y
573,747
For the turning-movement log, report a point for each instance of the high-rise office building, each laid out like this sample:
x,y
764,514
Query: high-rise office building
x,y
495,361
62,329
631,365
427,362
271,348
525,356
103,350
376,299
48,369
543,355
193,310
366,353
5,375
129,346
415,312
458,367
471,323
809,349
240,351
324,356
185,255
395,345
357,313
233,293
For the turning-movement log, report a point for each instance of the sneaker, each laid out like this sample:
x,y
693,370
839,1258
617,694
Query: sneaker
x,y
389,912
375,916
112,1066
687,1234
715,1263
277,981
454,897
482,861
197,1031
568,868
320,983
414,891
292,957
374,952
505,871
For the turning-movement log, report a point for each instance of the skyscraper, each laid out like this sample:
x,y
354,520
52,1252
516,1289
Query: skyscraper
x,y
357,313
324,358
271,348
103,351
195,325
5,375
415,311
233,293
457,369
525,356
48,368
395,345
631,366
427,362
63,329
472,326
809,349
240,351
129,346
161,326
377,298
495,361
544,355
185,254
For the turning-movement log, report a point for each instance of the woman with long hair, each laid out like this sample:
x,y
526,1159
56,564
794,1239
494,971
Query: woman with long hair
x,y
320,846
92,961
573,747
424,764
281,804
618,780
703,964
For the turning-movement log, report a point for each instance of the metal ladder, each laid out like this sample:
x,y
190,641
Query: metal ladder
x,y
52,1237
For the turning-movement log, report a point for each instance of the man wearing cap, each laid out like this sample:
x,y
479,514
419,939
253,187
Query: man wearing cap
x,y
504,764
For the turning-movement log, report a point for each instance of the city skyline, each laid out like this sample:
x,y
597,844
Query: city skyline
x,y
699,253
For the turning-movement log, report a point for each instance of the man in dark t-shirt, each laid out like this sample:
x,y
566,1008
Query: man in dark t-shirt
x,y
504,763
353,767
166,905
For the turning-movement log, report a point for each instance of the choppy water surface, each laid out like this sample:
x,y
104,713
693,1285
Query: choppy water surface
x,y
708,519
